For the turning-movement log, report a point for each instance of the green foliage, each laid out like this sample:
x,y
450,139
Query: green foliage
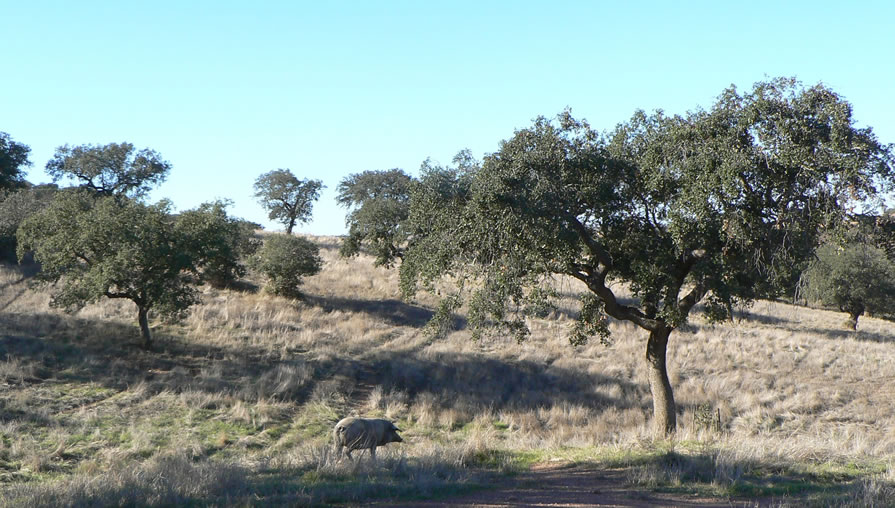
x,y
380,203
877,230
286,198
115,248
591,322
436,213
15,207
113,169
856,277
885,233
216,242
13,158
726,202
285,260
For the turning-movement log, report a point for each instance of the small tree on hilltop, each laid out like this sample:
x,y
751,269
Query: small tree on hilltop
x,y
114,248
287,199
720,206
883,233
113,169
13,158
285,261
380,204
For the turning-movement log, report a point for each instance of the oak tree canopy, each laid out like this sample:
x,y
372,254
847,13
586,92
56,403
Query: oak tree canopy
x,y
718,206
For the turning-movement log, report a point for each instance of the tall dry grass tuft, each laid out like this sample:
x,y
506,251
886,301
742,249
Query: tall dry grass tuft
x,y
168,480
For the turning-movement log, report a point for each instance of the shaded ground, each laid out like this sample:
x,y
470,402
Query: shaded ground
x,y
571,486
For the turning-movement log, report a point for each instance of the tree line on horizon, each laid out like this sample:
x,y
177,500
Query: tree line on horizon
x,y
755,197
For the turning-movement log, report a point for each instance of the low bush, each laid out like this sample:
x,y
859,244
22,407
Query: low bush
x,y
285,260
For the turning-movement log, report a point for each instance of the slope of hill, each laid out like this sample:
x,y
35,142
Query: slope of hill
x,y
237,403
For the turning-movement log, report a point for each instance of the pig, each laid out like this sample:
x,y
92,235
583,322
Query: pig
x,y
360,433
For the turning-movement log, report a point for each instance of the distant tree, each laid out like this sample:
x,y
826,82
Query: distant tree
x,y
285,261
15,207
113,169
716,206
857,277
884,233
13,158
287,199
380,204
216,242
114,248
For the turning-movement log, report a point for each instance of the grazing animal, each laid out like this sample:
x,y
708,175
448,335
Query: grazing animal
x,y
361,433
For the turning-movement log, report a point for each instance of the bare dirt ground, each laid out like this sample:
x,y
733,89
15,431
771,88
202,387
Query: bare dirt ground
x,y
574,486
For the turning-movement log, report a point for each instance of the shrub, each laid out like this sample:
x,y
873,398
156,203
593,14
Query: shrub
x,y
284,260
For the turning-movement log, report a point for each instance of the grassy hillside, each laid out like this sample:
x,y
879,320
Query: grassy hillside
x,y
237,403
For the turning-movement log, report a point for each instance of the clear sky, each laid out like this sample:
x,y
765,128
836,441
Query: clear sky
x,y
226,90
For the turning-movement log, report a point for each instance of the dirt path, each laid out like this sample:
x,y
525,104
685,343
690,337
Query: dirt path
x,y
564,486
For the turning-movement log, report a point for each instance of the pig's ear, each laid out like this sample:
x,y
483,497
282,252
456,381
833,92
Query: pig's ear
x,y
395,427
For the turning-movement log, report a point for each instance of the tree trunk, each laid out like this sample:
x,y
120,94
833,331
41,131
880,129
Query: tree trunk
x,y
853,320
289,226
144,327
855,310
664,410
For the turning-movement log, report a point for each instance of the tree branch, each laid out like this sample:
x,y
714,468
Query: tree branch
x,y
597,250
621,312
115,294
83,258
692,298
695,295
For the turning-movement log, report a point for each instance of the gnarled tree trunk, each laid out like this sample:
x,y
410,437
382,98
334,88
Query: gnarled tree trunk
x,y
143,318
664,409
855,310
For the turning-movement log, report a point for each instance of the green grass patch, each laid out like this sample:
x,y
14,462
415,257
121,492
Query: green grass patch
x,y
217,435
313,423
508,461
499,425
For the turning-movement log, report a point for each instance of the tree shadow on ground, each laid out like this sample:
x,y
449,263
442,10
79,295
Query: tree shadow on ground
x,y
244,286
804,327
394,312
64,349
478,383
70,349
25,272
26,269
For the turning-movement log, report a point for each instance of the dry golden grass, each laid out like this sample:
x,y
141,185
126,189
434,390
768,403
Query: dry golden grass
x,y
250,384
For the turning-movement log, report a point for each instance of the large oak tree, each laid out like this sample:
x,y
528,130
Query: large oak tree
x,y
720,206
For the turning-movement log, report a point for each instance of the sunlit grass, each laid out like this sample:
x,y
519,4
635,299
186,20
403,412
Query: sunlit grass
x,y
782,402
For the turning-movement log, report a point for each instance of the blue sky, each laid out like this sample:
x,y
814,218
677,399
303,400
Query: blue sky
x,y
226,91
